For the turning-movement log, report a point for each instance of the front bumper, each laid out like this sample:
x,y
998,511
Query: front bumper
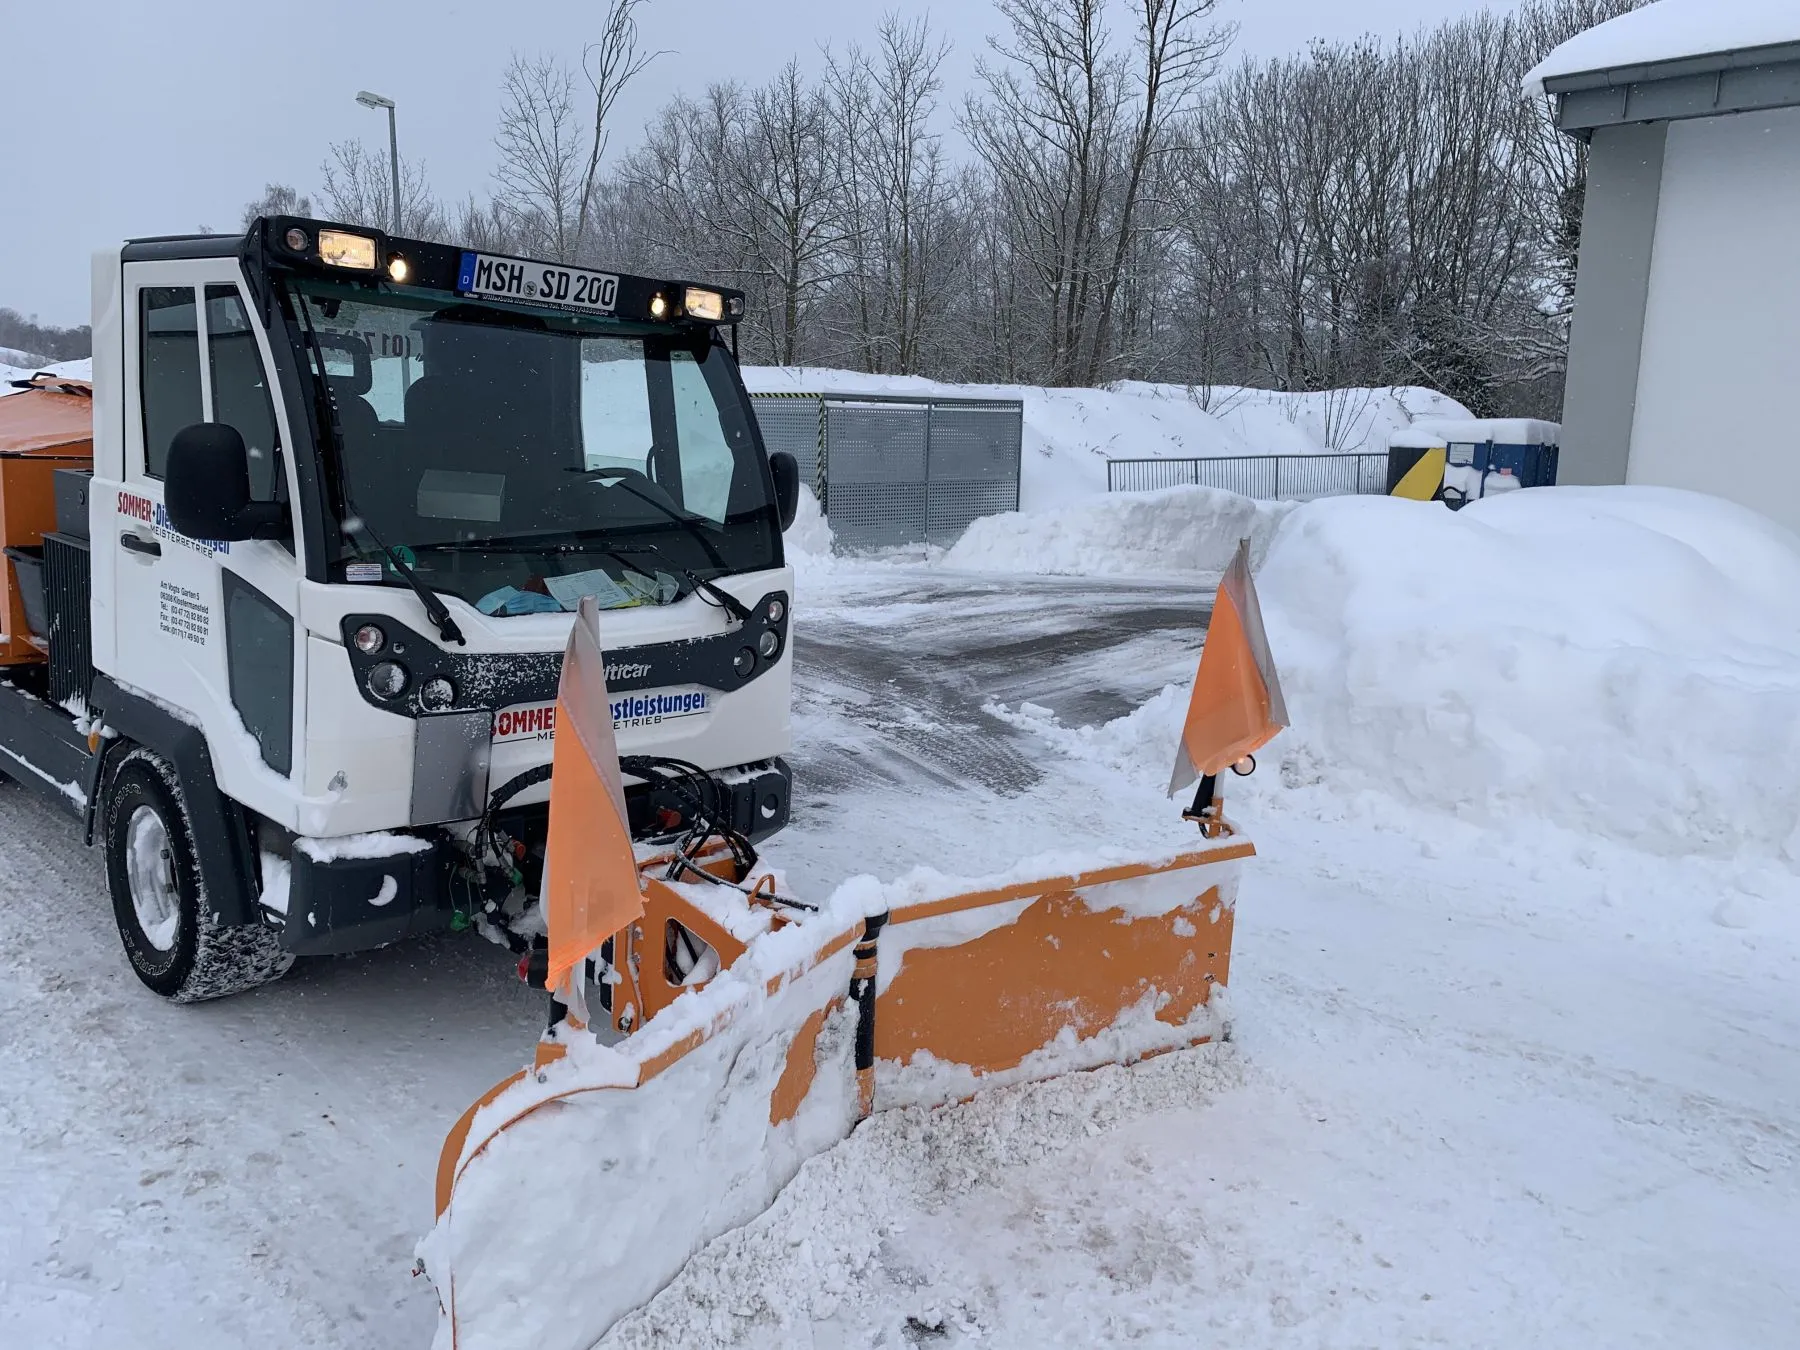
x,y
338,905
342,905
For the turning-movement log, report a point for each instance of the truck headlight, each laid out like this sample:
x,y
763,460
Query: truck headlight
x,y
436,694
744,662
370,639
700,303
768,644
340,248
387,679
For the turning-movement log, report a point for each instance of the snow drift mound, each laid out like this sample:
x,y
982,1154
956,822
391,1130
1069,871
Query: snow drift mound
x,y
1190,529
807,542
1625,661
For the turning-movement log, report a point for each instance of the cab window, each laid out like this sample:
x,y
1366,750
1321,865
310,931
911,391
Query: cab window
x,y
240,387
169,347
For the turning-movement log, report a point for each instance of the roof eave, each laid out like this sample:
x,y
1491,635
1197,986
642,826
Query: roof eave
x,y
1742,80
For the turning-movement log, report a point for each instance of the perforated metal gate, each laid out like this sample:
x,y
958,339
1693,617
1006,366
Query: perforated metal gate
x,y
891,470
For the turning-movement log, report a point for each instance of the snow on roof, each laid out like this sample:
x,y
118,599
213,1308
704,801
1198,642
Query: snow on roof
x,y
1670,30
1433,431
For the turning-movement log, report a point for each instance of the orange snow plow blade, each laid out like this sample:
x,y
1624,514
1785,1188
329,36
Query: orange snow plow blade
x,y
748,1030
690,1125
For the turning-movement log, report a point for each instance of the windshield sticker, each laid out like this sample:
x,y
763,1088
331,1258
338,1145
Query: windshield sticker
x,y
537,721
362,571
156,516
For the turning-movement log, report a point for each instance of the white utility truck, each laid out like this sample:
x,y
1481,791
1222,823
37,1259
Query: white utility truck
x,y
303,624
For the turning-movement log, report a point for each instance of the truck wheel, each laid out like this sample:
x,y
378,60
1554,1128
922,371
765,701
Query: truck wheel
x,y
171,938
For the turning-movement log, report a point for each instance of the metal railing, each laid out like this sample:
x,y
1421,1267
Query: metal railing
x,y
1268,477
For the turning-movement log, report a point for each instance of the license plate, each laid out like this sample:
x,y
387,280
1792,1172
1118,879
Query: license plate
x,y
495,278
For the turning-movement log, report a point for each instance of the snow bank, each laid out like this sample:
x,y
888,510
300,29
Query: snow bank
x,y
807,542
77,370
1189,529
1669,31
1071,433
1625,661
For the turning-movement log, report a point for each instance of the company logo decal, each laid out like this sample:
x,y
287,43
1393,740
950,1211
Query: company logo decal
x,y
156,516
537,721
627,670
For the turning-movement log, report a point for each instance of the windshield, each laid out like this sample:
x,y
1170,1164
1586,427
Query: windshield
x,y
521,461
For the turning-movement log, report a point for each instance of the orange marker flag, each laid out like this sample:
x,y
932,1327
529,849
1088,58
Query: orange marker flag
x,y
1236,707
591,888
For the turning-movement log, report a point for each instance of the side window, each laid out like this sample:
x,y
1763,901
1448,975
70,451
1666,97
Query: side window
x,y
170,352
706,458
240,386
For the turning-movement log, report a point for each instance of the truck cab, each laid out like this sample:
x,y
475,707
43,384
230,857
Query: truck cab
x,y
347,490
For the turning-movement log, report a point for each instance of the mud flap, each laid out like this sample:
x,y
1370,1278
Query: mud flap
x,y
573,1192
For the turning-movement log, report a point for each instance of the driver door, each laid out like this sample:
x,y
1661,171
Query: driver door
x,y
206,626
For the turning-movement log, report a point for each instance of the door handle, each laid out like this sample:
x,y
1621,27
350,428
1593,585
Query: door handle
x,y
136,543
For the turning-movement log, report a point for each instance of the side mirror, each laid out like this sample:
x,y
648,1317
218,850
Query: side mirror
x,y
206,487
786,471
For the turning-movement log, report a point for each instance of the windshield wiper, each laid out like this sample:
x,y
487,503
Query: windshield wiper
x,y
690,523
435,609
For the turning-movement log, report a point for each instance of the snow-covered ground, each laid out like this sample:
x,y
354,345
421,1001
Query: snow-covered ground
x,y
1515,1052
1071,433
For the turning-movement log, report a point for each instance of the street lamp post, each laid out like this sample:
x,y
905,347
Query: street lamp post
x,y
369,100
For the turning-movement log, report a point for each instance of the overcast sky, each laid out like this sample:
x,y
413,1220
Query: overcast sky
x,y
160,116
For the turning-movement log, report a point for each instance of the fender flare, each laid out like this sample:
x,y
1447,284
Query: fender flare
x,y
220,830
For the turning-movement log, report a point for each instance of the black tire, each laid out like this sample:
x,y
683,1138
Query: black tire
x,y
174,943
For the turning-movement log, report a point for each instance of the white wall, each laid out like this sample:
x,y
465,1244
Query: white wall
x,y
1721,350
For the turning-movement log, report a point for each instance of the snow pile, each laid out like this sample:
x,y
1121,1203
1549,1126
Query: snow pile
x,y
807,542
1188,529
1669,31
1071,433
76,370
1625,661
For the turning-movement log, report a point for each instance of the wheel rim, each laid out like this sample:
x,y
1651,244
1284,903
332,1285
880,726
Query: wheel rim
x,y
150,872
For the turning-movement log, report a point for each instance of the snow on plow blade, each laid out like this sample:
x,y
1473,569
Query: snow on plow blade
x,y
575,1190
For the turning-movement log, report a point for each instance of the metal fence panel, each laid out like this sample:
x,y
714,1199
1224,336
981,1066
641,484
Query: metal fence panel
x,y
1268,477
791,424
899,470
877,460
973,467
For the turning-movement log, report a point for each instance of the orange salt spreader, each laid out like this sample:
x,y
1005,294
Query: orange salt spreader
x,y
47,425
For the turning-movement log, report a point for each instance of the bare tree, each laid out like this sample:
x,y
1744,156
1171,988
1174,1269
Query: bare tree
x,y
359,190
278,199
541,154
894,185
609,65
1069,130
